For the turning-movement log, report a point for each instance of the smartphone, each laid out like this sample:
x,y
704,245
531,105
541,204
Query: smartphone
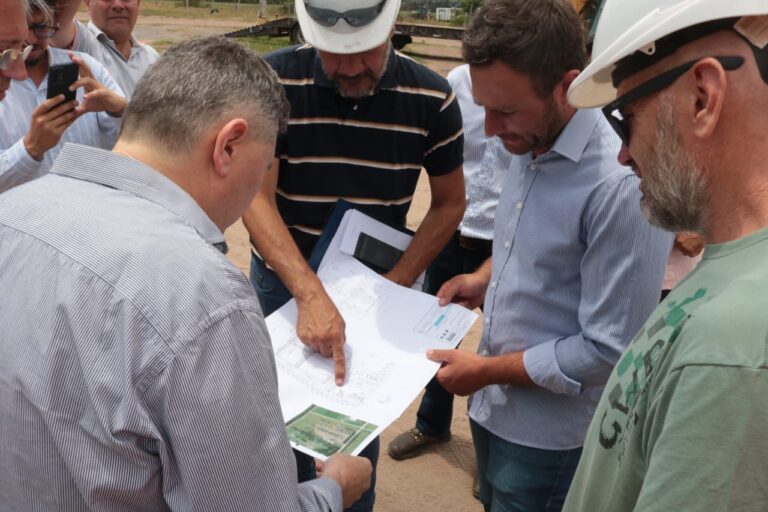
x,y
60,77
377,255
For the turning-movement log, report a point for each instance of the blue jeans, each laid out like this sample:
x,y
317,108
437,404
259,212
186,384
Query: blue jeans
x,y
436,409
272,294
515,478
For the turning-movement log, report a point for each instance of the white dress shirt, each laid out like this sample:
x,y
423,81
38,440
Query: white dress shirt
x,y
126,72
92,129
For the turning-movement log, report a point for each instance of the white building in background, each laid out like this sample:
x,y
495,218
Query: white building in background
x,y
446,13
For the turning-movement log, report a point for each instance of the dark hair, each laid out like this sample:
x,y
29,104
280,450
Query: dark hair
x,y
542,39
195,85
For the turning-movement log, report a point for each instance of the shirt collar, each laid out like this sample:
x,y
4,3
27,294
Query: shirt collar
x,y
575,136
104,38
123,173
388,79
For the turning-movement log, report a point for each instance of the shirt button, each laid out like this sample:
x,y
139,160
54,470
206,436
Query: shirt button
x,y
519,205
487,321
533,167
493,284
484,352
507,244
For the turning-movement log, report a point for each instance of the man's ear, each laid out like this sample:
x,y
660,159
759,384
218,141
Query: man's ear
x,y
711,85
562,88
226,145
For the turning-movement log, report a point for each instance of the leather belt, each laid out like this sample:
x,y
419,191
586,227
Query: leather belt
x,y
474,244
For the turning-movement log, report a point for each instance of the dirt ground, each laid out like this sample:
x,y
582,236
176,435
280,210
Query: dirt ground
x,y
440,480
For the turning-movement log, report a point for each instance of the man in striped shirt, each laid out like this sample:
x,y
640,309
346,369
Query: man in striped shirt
x,y
35,127
136,371
364,121
575,267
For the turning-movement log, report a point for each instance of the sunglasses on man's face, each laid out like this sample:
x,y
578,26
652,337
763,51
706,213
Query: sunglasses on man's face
x,y
355,17
613,110
9,57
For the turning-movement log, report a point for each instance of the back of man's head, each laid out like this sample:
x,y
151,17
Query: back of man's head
x,y
542,39
197,85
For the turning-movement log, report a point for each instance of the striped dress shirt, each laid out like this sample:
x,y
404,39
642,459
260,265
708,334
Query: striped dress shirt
x,y
136,371
126,72
576,271
92,129
486,161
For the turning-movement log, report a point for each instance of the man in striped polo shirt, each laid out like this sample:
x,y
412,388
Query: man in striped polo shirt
x,y
364,121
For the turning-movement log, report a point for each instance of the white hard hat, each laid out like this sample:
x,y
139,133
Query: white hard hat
x,y
347,26
625,27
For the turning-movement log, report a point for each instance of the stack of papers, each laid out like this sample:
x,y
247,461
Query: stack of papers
x,y
388,327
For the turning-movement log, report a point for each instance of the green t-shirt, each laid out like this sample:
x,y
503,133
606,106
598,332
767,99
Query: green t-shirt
x,y
683,422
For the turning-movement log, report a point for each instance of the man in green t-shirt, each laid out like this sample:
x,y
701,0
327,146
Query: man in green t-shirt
x,y
683,422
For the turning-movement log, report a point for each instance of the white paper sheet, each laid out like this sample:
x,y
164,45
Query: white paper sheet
x,y
388,329
352,224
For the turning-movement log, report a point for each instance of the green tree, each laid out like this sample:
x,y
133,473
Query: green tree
x,y
470,6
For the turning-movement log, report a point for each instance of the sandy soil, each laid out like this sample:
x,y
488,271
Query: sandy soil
x,y
441,479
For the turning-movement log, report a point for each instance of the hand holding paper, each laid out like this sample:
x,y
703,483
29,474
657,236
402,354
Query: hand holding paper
x,y
462,372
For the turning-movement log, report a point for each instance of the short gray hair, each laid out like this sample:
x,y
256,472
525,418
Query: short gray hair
x,y
195,85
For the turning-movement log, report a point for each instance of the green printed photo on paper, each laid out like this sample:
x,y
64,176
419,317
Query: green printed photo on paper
x,y
328,432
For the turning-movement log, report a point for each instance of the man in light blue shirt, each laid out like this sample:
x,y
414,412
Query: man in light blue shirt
x,y
576,269
35,128
136,371
486,162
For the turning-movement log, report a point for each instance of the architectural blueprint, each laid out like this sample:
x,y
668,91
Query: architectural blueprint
x,y
388,328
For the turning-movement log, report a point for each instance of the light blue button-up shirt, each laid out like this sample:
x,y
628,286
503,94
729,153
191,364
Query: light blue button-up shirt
x,y
136,371
576,271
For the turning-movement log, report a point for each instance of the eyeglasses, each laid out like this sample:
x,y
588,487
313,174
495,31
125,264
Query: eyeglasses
x,y
43,31
9,57
658,83
355,17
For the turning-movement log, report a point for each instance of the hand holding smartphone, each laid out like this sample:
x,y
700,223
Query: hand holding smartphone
x,y
60,77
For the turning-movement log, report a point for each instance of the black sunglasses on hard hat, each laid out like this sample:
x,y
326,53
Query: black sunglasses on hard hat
x,y
355,17
658,83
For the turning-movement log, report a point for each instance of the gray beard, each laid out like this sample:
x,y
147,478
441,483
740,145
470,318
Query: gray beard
x,y
675,192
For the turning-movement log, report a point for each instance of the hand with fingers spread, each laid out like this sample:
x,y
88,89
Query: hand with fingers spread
x,y
320,326
49,121
97,98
